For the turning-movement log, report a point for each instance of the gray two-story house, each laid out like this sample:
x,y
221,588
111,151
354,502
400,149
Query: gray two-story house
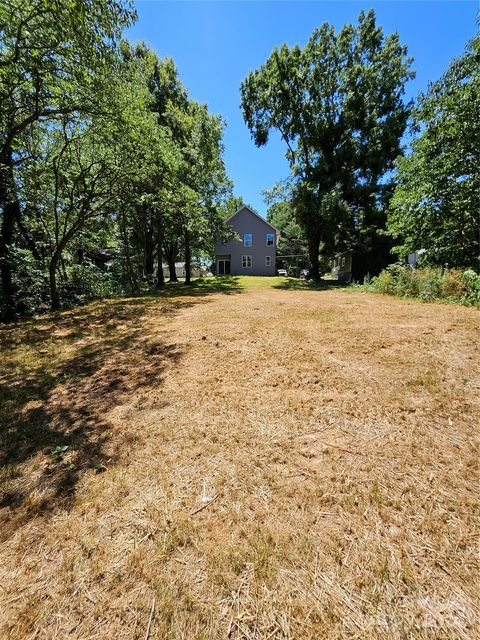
x,y
253,252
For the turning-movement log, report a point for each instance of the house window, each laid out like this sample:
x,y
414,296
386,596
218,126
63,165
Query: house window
x,y
247,239
270,239
268,261
343,261
247,262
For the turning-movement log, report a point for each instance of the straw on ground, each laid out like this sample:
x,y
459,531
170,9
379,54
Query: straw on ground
x,y
261,462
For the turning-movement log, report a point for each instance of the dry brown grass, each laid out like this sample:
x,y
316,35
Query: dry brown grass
x,y
335,433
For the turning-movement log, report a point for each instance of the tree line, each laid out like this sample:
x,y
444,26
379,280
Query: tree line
x,y
102,154
105,159
338,105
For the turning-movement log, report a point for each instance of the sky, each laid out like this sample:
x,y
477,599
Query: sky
x,y
215,44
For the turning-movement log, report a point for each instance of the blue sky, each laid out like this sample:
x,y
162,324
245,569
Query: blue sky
x,y
215,44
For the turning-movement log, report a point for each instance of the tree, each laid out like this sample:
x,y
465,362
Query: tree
x,y
292,246
54,60
338,107
103,158
85,176
156,224
436,202
231,205
177,210
84,172
206,178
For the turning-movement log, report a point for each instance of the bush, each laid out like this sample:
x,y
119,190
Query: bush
x,y
428,284
471,290
30,284
87,282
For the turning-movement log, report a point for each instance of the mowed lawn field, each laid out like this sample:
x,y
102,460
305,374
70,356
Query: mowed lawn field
x,y
242,459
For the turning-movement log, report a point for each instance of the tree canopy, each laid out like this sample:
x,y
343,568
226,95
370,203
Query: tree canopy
x,y
110,172
436,202
107,167
337,104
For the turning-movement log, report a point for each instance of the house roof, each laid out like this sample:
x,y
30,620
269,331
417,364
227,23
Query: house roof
x,y
245,206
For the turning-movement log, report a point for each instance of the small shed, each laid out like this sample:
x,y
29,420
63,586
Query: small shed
x,y
342,266
413,258
180,270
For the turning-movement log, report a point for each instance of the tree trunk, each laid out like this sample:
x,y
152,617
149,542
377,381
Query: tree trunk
x,y
52,269
149,253
313,248
171,269
148,244
188,259
11,213
57,259
171,251
159,241
128,258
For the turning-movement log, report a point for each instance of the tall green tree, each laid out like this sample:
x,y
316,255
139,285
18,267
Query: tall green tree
x,y
76,180
292,246
180,193
155,221
337,104
436,203
207,179
55,57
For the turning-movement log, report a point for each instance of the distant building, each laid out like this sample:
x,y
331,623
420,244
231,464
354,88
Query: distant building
x,y
342,266
195,271
253,252
414,257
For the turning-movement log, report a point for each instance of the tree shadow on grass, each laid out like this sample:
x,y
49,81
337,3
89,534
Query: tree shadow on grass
x,y
203,286
296,284
60,377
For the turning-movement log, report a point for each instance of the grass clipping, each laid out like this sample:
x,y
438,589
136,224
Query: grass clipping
x,y
248,463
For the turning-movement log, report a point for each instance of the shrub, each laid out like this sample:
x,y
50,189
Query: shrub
x,y
471,291
30,282
87,282
427,284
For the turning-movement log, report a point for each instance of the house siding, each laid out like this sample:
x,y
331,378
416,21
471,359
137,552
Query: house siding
x,y
245,221
195,272
342,271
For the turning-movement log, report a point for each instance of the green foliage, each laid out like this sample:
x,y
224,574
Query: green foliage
x,y
57,64
428,284
60,450
436,202
231,205
177,200
86,282
292,252
102,152
30,282
337,104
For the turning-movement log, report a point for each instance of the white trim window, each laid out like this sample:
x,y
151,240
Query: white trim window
x,y
247,239
343,261
246,262
270,239
268,261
